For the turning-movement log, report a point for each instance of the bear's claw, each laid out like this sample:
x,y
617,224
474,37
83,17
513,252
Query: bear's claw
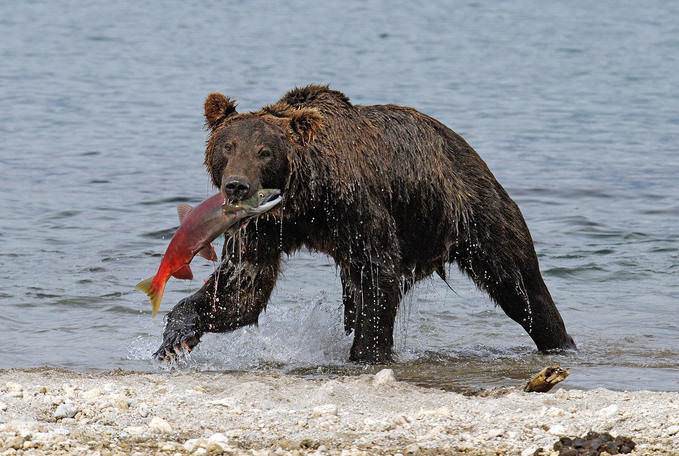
x,y
180,335
175,344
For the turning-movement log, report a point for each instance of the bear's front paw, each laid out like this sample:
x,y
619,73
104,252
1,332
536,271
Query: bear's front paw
x,y
176,343
181,334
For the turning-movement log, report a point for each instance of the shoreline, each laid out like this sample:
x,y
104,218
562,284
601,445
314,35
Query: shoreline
x,y
57,411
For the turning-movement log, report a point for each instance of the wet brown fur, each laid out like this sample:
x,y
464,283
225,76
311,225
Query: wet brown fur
x,y
391,194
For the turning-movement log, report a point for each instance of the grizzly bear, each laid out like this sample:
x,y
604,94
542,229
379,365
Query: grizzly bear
x,y
390,194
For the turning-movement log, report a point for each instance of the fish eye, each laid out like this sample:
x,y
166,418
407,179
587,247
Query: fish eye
x,y
261,194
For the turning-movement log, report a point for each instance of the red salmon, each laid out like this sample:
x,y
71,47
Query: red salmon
x,y
198,227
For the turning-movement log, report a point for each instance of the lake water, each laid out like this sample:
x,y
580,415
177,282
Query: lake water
x,y
574,106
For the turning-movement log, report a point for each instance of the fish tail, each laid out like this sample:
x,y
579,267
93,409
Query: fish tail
x,y
154,291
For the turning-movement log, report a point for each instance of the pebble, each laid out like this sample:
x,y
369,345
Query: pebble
x,y
493,433
220,440
159,425
673,430
143,411
609,411
69,390
14,389
375,425
167,446
529,451
109,388
193,444
326,409
91,394
3,406
16,442
65,410
121,403
557,429
224,402
441,411
412,449
561,394
384,377
134,430
402,420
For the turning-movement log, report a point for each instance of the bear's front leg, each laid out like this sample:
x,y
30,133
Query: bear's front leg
x,y
234,296
376,294
183,328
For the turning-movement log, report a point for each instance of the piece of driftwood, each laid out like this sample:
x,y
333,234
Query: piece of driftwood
x,y
545,380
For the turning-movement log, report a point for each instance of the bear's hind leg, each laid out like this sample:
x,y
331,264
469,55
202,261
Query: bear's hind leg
x,y
500,259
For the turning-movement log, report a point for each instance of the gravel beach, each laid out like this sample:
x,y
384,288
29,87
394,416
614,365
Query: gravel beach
x,y
48,411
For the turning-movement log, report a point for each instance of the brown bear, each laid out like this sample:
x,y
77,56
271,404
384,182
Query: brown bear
x,y
391,194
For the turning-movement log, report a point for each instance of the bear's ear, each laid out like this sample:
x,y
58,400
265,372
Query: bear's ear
x,y
217,108
305,123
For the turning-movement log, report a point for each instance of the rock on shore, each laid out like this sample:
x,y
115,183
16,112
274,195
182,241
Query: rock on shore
x,y
46,411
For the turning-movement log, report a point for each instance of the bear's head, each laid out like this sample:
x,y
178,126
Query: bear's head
x,y
246,152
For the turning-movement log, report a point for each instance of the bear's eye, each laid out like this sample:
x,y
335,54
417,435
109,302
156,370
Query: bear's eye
x,y
264,152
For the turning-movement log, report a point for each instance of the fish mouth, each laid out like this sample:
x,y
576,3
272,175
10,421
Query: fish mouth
x,y
268,202
275,195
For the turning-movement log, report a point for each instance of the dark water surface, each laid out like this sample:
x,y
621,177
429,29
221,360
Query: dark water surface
x,y
574,106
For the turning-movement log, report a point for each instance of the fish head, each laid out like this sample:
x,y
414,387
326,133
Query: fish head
x,y
262,201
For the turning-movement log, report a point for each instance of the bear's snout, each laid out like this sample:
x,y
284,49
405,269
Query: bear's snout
x,y
236,188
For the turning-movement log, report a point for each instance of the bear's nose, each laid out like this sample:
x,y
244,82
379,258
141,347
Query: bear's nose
x,y
235,188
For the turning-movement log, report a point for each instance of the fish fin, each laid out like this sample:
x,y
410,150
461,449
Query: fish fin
x,y
183,210
208,252
154,294
183,273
